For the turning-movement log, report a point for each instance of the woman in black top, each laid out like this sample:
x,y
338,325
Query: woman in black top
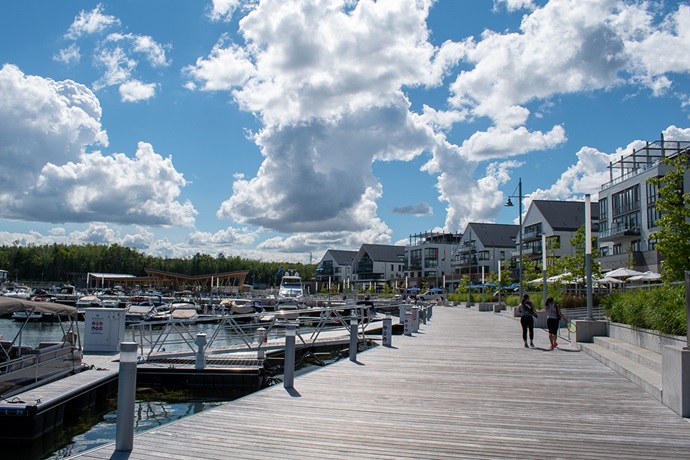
x,y
527,315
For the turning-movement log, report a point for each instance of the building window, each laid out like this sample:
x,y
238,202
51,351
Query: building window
x,y
636,246
431,257
604,251
626,222
626,201
617,249
484,255
603,210
652,216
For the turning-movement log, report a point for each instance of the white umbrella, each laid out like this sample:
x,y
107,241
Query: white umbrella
x,y
536,281
609,280
622,273
557,278
646,276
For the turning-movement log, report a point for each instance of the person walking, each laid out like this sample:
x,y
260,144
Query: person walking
x,y
553,317
527,315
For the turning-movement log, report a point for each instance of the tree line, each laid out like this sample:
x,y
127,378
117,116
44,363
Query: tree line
x,y
62,262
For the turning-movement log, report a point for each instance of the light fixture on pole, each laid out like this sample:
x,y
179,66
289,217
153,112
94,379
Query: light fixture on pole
x,y
509,203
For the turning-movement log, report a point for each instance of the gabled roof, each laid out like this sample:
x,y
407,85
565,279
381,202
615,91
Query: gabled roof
x,y
494,235
342,257
565,215
384,252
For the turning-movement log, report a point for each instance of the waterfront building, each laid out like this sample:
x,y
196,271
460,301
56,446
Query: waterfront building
x,y
483,245
628,207
336,266
428,259
559,221
376,265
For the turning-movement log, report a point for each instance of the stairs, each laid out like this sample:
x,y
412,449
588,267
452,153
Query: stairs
x,y
639,365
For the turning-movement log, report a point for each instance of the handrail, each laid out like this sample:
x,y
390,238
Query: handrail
x,y
243,328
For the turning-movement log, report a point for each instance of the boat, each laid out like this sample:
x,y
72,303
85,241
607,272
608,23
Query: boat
x,y
243,309
291,287
184,311
24,366
19,292
67,295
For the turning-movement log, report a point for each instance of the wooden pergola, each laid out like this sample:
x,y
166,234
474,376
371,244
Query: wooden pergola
x,y
159,279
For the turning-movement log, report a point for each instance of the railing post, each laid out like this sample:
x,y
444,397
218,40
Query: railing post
x,y
126,394
200,342
289,363
354,330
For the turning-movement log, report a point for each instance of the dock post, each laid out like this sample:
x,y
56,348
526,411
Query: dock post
x,y
422,314
200,342
431,312
289,364
387,331
126,394
354,330
415,319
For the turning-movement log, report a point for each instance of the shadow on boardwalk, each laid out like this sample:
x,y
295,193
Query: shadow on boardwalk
x,y
464,388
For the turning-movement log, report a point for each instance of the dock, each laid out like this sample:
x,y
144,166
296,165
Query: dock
x,y
462,387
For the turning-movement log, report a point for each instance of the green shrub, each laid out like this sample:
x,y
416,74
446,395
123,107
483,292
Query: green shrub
x,y
661,309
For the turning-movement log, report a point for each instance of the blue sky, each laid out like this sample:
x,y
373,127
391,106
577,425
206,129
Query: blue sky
x,y
278,129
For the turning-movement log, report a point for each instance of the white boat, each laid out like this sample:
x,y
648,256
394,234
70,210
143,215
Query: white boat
x,y
291,287
184,311
19,292
88,301
23,365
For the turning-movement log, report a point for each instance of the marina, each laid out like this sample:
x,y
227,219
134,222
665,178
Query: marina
x,y
463,387
241,357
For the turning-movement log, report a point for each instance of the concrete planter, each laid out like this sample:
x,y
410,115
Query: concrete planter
x,y
644,338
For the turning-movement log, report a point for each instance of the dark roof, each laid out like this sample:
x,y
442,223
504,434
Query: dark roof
x,y
342,257
565,215
384,252
494,235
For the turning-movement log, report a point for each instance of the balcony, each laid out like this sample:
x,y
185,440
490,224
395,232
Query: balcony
x,y
618,232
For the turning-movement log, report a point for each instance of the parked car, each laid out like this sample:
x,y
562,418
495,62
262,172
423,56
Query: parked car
x,y
432,295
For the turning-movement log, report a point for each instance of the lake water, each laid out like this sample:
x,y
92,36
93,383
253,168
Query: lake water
x,y
97,429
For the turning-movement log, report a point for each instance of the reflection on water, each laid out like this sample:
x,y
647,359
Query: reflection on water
x,y
148,414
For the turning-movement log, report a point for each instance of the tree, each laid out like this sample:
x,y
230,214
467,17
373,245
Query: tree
x,y
576,263
673,236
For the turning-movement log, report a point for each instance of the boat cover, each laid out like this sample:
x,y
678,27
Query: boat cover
x,y
9,305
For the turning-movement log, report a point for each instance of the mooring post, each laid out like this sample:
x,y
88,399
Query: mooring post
x,y
415,319
354,330
126,394
261,338
422,313
430,313
200,342
289,364
387,331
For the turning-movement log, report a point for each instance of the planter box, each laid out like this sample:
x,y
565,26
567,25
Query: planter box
x,y
645,338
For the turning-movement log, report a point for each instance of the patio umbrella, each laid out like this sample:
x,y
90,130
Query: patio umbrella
x,y
646,276
536,281
608,280
623,273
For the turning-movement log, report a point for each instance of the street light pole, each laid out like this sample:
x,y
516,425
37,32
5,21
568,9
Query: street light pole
x,y
510,203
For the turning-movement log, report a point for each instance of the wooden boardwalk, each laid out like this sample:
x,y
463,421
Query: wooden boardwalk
x,y
464,387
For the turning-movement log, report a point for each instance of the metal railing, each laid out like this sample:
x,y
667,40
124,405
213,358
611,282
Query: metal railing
x,y
235,333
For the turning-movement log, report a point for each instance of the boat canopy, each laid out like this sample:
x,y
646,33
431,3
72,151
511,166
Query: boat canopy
x,y
9,305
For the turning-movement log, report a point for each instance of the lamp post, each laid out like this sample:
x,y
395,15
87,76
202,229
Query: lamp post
x,y
509,203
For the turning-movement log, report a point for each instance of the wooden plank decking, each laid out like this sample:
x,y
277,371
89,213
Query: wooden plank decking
x,y
464,387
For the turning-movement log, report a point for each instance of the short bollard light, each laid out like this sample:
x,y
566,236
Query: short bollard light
x,y
354,329
404,308
422,314
407,323
126,394
289,364
415,319
200,342
387,331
